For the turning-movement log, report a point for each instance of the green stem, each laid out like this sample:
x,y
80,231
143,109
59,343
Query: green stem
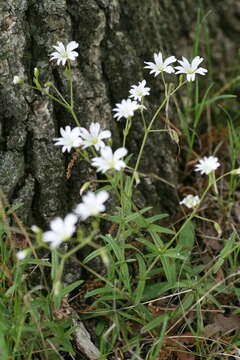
x,y
70,109
148,130
60,95
212,181
70,84
126,130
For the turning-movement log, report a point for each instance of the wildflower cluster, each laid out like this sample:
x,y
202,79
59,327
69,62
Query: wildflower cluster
x,y
104,157
132,226
206,166
95,139
63,229
188,68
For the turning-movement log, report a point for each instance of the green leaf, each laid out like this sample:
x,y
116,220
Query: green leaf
x,y
154,218
225,252
96,253
136,215
169,267
100,291
187,236
174,253
149,245
156,322
160,229
35,262
220,97
70,288
141,279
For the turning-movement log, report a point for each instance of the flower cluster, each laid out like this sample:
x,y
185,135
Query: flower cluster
x,y
206,166
63,229
188,68
80,136
126,108
95,137
64,53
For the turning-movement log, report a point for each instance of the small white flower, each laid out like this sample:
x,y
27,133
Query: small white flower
x,y
109,160
17,80
35,229
92,204
125,109
139,91
190,201
207,165
94,136
21,254
61,229
70,138
160,65
64,53
190,69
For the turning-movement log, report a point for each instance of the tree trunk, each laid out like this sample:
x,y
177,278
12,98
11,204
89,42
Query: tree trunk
x,y
115,37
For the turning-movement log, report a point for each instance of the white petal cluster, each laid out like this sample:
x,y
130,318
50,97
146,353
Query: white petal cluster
x,y
109,160
70,138
190,201
61,229
125,109
94,136
17,80
21,254
137,92
92,204
159,65
207,165
64,53
190,69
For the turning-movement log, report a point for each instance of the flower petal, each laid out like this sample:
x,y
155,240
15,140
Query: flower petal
x,y
72,45
119,153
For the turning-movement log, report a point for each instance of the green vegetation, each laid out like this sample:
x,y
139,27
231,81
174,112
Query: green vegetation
x,y
153,287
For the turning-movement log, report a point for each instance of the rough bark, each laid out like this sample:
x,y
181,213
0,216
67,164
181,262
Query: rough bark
x,y
115,37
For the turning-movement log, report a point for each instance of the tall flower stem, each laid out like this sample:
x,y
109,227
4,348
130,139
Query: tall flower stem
x,y
148,129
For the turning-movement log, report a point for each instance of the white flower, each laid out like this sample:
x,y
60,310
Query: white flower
x,y
35,229
61,229
125,109
109,160
191,69
92,204
139,91
190,201
94,136
207,165
64,53
70,138
21,254
17,80
160,65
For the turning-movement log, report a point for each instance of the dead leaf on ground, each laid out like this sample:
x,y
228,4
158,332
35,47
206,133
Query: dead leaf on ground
x,y
222,324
